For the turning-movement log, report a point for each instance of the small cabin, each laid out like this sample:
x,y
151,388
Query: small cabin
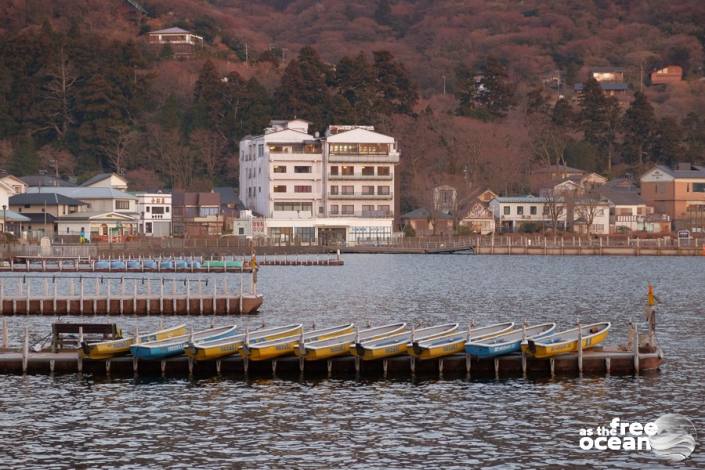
x,y
182,43
667,75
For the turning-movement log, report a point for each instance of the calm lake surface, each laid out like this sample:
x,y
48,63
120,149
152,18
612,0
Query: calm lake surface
x,y
67,421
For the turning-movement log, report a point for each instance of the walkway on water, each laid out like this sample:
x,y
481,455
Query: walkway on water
x,y
124,295
594,362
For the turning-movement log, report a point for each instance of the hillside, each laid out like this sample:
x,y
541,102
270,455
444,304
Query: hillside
x,y
137,109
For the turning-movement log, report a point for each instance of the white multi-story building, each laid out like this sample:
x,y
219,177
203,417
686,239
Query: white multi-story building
x,y
154,214
339,187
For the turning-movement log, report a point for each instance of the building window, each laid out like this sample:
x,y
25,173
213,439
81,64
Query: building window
x,y
368,190
699,187
368,171
260,150
279,168
507,210
520,210
383,171
348,209
334,170
302,189
334,209
122,205
302,169
334,190
147,208
166,209
305,234
367,209
294,207
348,170
348,190
148,227
383,190
241,230
532,210
383,209
280,188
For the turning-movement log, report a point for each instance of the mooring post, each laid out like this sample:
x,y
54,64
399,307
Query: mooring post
x,y
82,298
5,336
241,289
274,368
108,299
108,362
580,349
468,365
412,365
95,296
440,368
188,296
161,297
385,365
215,294
44,296
496,368
2,297
25,350
134,297
553,367
163,367
636,349
29,288
54,297
79,364
200,297
148,299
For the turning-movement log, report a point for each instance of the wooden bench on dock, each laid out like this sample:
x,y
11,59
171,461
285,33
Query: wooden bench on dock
x,y
67,334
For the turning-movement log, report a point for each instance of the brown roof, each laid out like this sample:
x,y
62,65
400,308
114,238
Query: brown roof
x,y
183,199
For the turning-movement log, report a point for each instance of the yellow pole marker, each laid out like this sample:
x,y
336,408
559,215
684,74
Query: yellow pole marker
x,y
651,299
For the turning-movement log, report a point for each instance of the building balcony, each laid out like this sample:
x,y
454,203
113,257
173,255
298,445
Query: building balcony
x,y
363,157
366,214
361,177
361,196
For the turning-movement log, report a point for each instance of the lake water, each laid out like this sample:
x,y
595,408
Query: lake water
x,y
65,421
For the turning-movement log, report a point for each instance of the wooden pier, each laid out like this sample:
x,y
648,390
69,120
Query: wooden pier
x,y
593,362
125,296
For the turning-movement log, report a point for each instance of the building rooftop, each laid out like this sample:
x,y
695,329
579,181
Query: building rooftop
x,y
172,30
181,198
607,69
100,177
39,218
607,86
12,216
684,170
529,198
84,193
621,197
423,213
50,199
46,180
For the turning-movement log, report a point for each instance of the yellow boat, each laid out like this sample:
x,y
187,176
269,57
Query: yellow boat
x,y
454,343
209,350
344,344
400,343
117,347
265,350
566,341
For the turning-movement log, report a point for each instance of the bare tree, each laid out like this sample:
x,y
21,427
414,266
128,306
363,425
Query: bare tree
x,y
58,160
122,137
61,79
588,208
209,147
175,159
554,207
548,145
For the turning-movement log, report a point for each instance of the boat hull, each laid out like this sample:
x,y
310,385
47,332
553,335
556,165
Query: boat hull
x,y
109,349
266,352
542,351
208,353
170,349
434,352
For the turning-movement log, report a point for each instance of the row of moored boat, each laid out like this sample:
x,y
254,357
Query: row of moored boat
x,y
374,343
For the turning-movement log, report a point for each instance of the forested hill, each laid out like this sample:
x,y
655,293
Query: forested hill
x,y
462,85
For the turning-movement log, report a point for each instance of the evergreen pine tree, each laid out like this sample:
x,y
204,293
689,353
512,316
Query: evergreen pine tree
x,y
638,124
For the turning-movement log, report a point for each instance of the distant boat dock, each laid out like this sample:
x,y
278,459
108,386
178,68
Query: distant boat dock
x,y
593,362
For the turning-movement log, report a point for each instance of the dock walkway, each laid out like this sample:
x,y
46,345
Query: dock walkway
x,y
598,362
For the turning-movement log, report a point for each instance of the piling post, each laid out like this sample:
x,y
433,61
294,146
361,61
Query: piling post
x,y
188,296
29,288
523,353
215,294
173,296
148,300
122,295
134,297
54,298
44,296
25,350
241,291
636,349
553,367
496,368
95,297
385,367
161,297
82,298
5,342
79,364
580,349
2,297
200,297
107,300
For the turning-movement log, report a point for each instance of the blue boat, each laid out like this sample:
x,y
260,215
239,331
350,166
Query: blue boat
x,y
134,264
195,264
506,343
166,264
175,346
117,264
181,264
149,264
102,264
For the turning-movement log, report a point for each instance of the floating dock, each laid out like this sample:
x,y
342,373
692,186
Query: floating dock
x,y
74,295
27,264
593,362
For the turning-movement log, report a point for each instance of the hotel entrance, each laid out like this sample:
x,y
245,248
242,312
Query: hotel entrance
x,y
331,235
